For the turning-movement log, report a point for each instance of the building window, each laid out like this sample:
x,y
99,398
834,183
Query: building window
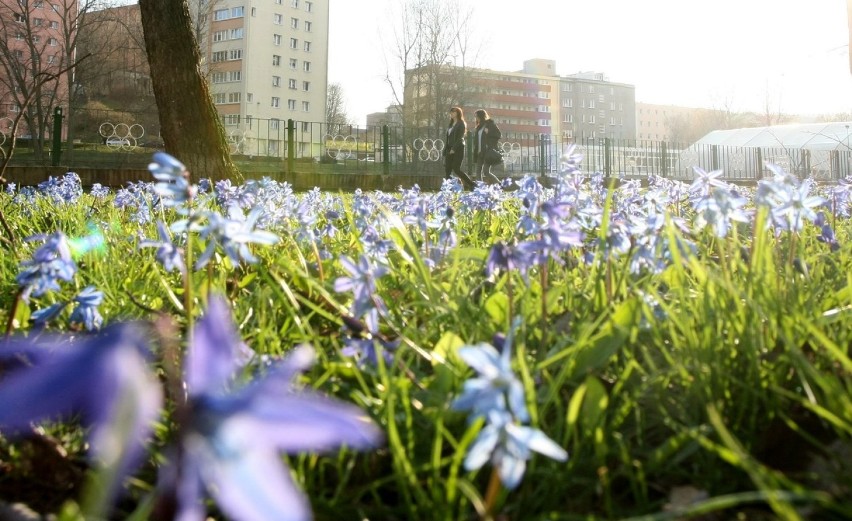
x,y
294,4
306,106
591,103
276,81
291,104
276,102
19,18
38,22
306,126
19,35
249,97
237,12
307,46
294,43
221,14
276,60
232,119
53,42
220,36
292,83
236,34
309,7
278,19
36,38
306,86
274,123
54,25
307,66
294,23
308,26
219,56
276,39
236,54
293,63
235,97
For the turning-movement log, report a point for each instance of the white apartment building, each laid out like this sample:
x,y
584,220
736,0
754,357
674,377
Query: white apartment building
x,y
267,62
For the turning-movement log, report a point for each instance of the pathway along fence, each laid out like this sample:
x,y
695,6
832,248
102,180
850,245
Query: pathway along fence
x,y
271,146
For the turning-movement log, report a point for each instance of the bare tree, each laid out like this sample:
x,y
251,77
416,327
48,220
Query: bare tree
x,y
431,58
37,58
335,108
189,122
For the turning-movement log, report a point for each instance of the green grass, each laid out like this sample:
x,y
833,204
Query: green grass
x,y
738,384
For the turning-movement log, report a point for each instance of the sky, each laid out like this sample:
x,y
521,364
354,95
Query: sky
x,y
792,55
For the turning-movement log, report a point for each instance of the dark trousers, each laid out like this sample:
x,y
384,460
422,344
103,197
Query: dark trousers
x,y
452,166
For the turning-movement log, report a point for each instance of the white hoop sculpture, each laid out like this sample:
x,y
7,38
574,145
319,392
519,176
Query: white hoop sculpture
x,y
511,152
339,146
237,141
6,124
121,136
428,149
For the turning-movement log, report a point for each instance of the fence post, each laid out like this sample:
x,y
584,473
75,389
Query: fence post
x,y
714,152
469,149
607,158
291,145
541,153
385,149
664,160
57,136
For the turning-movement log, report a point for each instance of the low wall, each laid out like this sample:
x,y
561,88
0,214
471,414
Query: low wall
x,y
300,181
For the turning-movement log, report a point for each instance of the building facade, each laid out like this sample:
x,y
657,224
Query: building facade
x,y
34,51
267,62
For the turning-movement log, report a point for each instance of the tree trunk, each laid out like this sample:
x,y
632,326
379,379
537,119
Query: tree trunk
x,y
189,124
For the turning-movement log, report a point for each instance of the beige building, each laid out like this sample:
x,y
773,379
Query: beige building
x,y
674,124
267,62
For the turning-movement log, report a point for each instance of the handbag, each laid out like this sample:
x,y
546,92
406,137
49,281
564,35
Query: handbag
x,y
492,156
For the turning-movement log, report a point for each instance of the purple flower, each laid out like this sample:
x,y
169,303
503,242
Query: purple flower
x,y
103,378
231,442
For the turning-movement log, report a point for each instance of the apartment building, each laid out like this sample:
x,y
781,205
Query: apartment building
x,y
268,62
32,48
535,101
592,107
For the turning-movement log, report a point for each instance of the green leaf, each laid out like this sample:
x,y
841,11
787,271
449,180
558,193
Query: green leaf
x,y
446,348
497,307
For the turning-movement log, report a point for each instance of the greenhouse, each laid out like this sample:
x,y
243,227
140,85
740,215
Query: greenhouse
x,y
819,150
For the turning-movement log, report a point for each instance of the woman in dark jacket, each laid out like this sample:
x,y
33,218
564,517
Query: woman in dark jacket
x,y
454,147
485,137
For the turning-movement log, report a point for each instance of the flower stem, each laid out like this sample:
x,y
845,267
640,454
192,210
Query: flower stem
x,y
14,311
494,487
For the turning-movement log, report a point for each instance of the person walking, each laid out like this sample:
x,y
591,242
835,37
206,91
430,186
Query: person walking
x,y
454,148
485,137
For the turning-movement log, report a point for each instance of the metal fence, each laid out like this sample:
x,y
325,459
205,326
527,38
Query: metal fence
x,y
113,139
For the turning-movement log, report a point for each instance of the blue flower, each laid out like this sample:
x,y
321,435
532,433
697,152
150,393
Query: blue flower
x,y
362,283
509,446
86,312
169,255
233,233
51,262
496,388
233,436
172,179
103,378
